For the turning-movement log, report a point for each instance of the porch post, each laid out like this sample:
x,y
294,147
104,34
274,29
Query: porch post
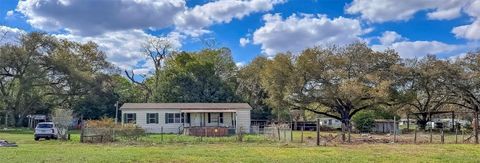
x,y
231,118
203,120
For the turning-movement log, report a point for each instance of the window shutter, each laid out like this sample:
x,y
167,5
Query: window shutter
x,y
147,118
188,117
209,118
135,118
156,118
124,117
166,118
221,117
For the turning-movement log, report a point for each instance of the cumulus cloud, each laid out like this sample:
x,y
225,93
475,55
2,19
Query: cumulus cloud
x,y
393,10
240,64
388,37
297,32
194,20
9,34
470,31
244,41
124,48
412,49
92,17
10,13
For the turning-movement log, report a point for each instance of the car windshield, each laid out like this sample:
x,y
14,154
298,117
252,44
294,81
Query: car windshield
x,y
44,126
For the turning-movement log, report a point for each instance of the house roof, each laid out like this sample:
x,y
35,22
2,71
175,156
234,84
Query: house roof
x,y
190,106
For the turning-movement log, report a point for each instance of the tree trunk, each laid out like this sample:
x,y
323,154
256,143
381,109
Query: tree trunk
x,y
475,126
349,130
422,122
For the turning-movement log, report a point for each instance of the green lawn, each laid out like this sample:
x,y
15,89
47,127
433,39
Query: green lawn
x,y
255,150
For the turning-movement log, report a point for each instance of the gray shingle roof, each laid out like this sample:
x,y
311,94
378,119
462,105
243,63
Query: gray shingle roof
x,y
186,106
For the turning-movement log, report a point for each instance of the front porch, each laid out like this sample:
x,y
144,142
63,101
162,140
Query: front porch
x,y
209,122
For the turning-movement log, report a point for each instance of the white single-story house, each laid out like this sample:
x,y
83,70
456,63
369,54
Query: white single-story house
x,y
330,122
188,118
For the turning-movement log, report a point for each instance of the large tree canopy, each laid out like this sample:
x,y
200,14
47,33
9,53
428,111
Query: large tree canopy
x,y
421,87
41,72
336,82
204,76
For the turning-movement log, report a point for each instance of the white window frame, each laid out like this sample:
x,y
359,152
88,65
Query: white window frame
x,y
154,118
176,118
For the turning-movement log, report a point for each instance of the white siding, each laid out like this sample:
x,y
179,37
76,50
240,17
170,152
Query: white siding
x,y
242,115
155,128
243,120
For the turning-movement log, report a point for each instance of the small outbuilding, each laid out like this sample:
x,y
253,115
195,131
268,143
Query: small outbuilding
x,y
385,126
208,119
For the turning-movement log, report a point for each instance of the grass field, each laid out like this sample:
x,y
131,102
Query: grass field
x,y
225,150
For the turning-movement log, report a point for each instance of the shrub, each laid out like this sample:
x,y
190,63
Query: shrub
x,y
105,130
364,121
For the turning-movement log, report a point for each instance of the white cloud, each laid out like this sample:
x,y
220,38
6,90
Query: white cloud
x,y
412,49
124,48
388,37
194,20
393,10
93,17
9,34
240,64
244,41
10,13
470,31
298,32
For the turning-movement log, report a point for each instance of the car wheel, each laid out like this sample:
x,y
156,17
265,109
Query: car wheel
x,y
47,138
36,139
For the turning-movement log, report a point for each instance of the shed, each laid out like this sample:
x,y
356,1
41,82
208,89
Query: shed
x,y
384,126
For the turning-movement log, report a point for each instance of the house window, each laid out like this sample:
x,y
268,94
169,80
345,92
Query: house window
x,y
173,118
152,118
215,117
130,117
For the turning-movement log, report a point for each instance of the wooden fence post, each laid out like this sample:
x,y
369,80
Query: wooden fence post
x,y
456,135
82,126
431,134
278,133
291,132
301,139
318,132
415,137
442,138
394,129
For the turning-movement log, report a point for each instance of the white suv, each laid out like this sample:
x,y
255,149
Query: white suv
x,y
46,130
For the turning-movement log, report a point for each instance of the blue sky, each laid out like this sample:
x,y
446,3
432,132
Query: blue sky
x,y
415,28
